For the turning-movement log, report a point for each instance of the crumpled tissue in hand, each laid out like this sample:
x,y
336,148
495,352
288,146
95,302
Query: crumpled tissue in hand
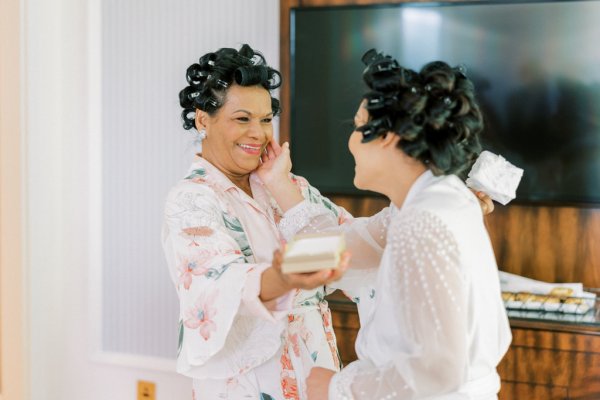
x,y
495,176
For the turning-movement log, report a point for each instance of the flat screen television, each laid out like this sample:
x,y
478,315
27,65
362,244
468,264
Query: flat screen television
x,y
535,65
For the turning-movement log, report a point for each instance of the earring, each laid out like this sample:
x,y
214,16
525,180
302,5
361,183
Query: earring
x,y
202,134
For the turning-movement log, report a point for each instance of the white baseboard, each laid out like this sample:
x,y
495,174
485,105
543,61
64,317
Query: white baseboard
x,y
135,361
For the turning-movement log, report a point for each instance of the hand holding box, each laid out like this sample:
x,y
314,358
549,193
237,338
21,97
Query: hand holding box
x,y
313,252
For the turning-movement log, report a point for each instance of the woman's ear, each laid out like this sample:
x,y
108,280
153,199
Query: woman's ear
x,y
200,119
389,139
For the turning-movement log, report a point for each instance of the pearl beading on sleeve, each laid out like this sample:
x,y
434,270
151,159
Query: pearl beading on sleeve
x,y
301,218
429,252
422,281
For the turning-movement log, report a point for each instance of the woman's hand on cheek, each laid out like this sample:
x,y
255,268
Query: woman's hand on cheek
x,y
276,163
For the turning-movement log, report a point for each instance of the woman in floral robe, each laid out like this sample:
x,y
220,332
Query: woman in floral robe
x,y
243,334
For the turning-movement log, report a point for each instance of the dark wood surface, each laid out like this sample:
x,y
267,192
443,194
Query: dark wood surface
x,y
542,364
546,361
552,244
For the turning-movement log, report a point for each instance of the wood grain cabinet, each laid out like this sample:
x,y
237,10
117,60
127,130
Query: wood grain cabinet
x,y
546,360
552,361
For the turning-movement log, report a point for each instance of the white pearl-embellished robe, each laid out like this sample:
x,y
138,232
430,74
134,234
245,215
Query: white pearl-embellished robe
x,y
435,327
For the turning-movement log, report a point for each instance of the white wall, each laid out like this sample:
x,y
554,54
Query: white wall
x,y
100,81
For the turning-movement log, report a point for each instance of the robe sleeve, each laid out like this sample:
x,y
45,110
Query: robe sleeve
x,y
430,291
224,329
365,237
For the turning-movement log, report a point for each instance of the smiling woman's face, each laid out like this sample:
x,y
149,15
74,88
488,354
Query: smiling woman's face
x,y
240,130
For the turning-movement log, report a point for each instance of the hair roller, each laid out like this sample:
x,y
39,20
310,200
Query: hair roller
x,y
370,56
194,75
274,79
187,96
208,104
246,51
207,61
275,106
248,76
221,84
462,106
375,128
188,115
461,70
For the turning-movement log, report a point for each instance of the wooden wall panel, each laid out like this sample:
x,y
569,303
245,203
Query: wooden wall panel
x,y
553,244
517,390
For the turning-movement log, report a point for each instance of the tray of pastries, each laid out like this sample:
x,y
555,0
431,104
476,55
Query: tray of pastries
x,y
558,300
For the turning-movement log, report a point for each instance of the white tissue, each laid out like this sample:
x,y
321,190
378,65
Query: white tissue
x,y
495,176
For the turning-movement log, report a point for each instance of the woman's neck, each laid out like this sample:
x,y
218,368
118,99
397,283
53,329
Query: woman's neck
x,y
242,181
396,185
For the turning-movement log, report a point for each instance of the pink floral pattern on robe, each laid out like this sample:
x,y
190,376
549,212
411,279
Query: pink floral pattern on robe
x,y
201,316
218,241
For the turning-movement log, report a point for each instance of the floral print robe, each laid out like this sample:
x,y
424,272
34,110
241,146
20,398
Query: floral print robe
x,y
218,241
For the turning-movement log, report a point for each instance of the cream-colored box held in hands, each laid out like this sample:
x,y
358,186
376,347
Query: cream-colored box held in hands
x,y
313,252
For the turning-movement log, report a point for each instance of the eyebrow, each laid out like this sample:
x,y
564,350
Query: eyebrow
x,y
249,113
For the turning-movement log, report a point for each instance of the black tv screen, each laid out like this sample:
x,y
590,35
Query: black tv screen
x,y
535,65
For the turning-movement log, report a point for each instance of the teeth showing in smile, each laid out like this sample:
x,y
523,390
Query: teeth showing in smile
x,y
253,148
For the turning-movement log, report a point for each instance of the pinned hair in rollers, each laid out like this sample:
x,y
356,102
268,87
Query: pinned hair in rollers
x,y
434,111
213,74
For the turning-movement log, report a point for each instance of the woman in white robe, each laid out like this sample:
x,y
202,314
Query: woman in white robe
x,y
433,325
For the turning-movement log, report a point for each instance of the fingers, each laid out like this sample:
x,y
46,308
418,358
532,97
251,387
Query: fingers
x,y
309,280
337,273
322,277
270,152
264,157
273,150
318,278
276,147
277,260
486,203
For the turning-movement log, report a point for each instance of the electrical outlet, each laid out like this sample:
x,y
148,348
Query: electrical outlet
x,y
146,390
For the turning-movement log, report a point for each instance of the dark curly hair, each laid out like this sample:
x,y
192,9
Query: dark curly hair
x,y
210,78
434,111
